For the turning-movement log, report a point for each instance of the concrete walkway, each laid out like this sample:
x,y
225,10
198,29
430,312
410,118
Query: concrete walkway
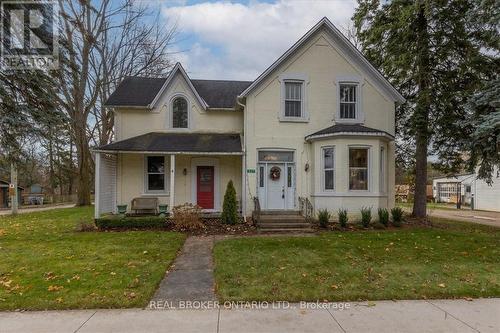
x,y
482,315
36,209
191,275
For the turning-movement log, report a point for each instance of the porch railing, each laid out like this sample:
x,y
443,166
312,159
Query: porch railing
x,y
306,208
256,211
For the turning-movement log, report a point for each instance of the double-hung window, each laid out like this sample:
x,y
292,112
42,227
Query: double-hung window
x,y
156,175
294,99
348,100
328,169
358,168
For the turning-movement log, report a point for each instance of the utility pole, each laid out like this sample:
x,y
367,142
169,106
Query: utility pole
x,y
13,191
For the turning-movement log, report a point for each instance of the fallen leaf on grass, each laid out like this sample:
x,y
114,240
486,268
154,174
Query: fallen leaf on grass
x,y
54,288
442,285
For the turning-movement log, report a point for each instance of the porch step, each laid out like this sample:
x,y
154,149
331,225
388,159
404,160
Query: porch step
x,y
280,212
281,218
284,225
286,230
283,222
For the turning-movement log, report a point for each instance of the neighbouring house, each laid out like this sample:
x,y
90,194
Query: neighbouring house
x,y
317,124
4,194
468,190
35,196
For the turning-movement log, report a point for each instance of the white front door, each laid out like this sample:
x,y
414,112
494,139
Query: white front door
x,y
276,186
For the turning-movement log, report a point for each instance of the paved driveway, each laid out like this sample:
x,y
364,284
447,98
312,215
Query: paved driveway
x,y
467,215
37,209
482,315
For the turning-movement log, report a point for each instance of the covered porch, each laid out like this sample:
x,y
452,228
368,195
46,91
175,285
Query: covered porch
x,y
174,168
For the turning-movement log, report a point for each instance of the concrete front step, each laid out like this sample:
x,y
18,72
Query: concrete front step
x,y
280,212
286,230
284,219
284,225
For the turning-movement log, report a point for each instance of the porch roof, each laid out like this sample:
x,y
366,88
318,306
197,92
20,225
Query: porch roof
x,y
178,143
348,129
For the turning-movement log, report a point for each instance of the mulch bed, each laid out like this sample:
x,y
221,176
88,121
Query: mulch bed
x,y
213,226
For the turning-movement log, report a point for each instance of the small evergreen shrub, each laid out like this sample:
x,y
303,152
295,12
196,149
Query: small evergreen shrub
x,y
187,216
323,218
230,206
383,216
130,222
343,219
366,216
397,216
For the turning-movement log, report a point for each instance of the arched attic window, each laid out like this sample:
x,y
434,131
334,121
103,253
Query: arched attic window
x,y
180,115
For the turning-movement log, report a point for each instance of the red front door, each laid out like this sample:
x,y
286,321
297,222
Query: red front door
x,y
205,187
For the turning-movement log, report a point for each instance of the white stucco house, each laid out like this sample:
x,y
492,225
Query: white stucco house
x,y
317,124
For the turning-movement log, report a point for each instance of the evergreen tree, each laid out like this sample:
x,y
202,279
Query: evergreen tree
x,y
437,54
230,206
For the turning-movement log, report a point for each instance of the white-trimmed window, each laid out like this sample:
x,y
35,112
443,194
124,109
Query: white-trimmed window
x,y
294,99
180,113
155,174
358,169
382,170
348,100
328,172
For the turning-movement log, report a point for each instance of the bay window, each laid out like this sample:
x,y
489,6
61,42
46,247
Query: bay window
x,y
328,169
358,169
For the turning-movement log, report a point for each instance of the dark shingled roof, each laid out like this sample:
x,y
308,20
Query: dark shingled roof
x,y
141,91
135,91
220,94
343,128
179,142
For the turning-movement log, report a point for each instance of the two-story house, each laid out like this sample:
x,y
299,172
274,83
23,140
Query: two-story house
x,y
319,123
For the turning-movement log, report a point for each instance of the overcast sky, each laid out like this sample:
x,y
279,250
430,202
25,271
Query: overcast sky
x,y
240,39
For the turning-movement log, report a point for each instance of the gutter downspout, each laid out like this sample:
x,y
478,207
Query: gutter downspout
x,y
244,162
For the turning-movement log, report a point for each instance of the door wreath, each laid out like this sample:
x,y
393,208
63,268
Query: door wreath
x,y
275,173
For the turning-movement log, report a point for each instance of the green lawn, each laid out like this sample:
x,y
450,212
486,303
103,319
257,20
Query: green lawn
x,y
46,264
431,205
450,260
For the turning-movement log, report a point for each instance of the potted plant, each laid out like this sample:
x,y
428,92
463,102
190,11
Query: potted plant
x,y
162,209
122,209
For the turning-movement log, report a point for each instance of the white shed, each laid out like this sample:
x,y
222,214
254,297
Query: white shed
x,y
469,190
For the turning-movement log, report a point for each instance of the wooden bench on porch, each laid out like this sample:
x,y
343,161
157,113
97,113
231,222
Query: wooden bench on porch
x,y
145,205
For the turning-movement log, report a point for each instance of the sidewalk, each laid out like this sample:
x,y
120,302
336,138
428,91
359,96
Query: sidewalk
x,y
481,315
36,209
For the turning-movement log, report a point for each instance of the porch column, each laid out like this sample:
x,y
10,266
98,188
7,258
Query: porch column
x,y
97,185
243,186
172,181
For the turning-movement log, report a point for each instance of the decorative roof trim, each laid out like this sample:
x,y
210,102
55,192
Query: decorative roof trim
x,y
178,68
328,135
152,152
379,78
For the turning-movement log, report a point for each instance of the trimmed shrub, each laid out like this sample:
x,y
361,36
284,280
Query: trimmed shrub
x,y
366,216
230,206
187,216
343,219
383,216
323,218
397,216
131,222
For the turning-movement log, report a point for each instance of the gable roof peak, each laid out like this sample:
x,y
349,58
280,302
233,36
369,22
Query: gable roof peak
x,y
351,51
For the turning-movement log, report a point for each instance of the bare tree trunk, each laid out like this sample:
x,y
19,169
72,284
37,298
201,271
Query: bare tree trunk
x,y
421,116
